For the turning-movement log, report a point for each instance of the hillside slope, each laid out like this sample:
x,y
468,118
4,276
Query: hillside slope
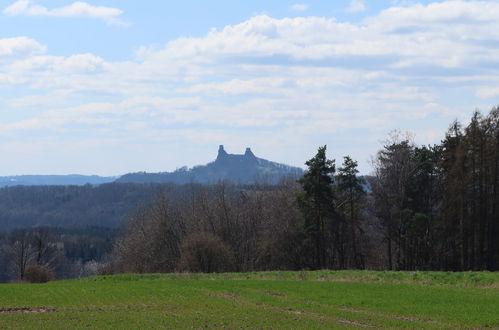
x,y
242,169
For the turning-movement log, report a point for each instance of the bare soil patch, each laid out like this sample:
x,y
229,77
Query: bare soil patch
x,y
298,312
356,323
340,279
275,294
228,295
34,310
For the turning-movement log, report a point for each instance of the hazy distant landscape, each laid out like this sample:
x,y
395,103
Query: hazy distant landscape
x,y
53,180
243,169
249,164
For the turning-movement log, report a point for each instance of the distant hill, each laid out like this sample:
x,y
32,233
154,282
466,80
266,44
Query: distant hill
x,y
104,205
54,180
242,169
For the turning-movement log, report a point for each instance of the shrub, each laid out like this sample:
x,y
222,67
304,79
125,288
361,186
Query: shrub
x,y
105,269
38,274
203,252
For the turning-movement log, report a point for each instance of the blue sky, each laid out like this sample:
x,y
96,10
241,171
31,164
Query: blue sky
x,y
108,87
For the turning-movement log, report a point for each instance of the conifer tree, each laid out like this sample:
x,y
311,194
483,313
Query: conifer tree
x,y
317,206
350,192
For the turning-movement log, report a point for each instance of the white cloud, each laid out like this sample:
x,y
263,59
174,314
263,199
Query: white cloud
x,y
78,63
76,9
456,11
381,47
356,6
299,7
308,80
402,3
20,46
57,98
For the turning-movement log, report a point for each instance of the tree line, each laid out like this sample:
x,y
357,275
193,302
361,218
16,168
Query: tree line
x,y
424,208
43,253
104,205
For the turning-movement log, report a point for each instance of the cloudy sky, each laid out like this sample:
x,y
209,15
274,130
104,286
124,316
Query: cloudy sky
x,y
108,87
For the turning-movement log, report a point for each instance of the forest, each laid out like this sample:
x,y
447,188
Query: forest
x,y
423,207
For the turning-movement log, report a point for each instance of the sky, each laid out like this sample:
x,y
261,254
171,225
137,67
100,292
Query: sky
x,y
109,87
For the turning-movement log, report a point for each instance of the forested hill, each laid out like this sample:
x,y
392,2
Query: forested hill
x,y
106,205
242,169
67,206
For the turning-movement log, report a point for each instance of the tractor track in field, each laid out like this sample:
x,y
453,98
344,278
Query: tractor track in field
x,y
297,312
353,310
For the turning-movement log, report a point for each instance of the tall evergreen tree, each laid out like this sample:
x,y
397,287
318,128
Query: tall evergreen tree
x,y
424,199
317,206
350,193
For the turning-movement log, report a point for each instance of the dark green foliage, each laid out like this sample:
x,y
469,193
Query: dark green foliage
x,y
348,180
351,193
424,200
317,204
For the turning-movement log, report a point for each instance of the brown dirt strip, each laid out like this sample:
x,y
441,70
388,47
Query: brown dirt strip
x,y
229,295
358,324
275,294
34,310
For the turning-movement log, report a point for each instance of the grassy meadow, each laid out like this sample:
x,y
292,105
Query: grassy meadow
x,y
322,299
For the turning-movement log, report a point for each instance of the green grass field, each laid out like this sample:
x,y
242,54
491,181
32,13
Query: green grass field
x,y
321,299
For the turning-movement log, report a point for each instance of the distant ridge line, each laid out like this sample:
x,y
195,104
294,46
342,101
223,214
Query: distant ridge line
x,y
243,168
239,168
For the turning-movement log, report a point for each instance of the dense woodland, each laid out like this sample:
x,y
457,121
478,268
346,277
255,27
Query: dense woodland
x,y
71,206
423,208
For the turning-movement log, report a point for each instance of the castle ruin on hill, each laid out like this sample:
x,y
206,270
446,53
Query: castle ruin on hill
x,y
223,156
